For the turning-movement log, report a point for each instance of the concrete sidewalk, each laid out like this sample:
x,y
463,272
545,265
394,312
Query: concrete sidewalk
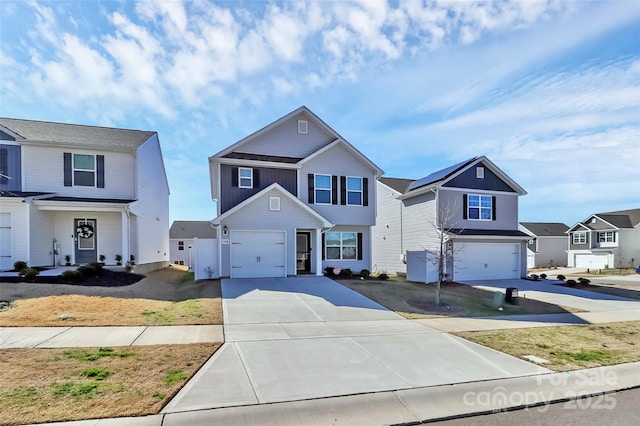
x,y
66,337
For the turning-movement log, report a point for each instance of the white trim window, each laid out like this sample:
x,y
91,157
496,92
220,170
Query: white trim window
x,y
479,207
84,170
180,245
245,177
579,238
341,246
354,191
322,189
606,237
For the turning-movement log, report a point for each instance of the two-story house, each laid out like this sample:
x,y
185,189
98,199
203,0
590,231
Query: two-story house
x,y
605,240
294,197
547,245
473,202
81,192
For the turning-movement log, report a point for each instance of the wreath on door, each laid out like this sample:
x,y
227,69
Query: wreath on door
x,y
84,231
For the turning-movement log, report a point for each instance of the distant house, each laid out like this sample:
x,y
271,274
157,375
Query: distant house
x,y
82,192
605,240
547,245
181,238
474,201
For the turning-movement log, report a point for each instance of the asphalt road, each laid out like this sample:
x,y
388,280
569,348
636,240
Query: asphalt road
x,y
616,409
625,281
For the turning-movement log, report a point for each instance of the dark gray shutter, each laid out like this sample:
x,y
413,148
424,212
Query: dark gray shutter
x,y
323,239
68,171
234,177
310,180
334,189
359,246
365,192
256,178
493,208
100,171
464,206
343,190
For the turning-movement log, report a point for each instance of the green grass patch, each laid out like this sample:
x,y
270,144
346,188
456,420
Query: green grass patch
x,y
75,390
158,317
175,376
22,395
187,277
96,373
84,355
159,395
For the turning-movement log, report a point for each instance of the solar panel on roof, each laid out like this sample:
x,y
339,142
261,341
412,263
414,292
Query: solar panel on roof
x,y
439,175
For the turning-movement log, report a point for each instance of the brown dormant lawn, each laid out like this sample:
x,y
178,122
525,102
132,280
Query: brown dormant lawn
x,y
105,311
567,347
415,300
45,385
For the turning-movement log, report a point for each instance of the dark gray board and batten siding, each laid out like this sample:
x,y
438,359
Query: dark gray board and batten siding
x,y
490,182
10,159
231,195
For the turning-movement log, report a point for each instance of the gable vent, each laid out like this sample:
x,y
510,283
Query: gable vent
x,y
303,126
480,172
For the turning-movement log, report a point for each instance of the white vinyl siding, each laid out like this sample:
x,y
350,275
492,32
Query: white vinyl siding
x,y
285,141
386,235
19,217
45,173
152,205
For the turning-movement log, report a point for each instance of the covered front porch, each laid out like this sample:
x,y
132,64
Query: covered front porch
x,y
66,233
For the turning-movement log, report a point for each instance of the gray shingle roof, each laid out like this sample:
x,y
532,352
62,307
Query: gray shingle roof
x,y
398,184
76,135
622,218
188,229
546,229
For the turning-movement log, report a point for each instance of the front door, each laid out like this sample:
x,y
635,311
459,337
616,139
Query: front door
x,y
85,238
303,252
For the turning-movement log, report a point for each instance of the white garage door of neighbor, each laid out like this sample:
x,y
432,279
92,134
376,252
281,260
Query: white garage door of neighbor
x,y
591,261
486,261
257,254
6,245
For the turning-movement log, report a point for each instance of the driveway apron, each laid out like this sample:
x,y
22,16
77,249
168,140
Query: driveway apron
x,y
291,339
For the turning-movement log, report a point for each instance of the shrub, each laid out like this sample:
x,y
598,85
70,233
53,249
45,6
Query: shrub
x,y
102,258
87,270
132,260
383,277
365,274
346,273
328,271
571,283
28,274
119,259
543,276
97,266
19,265
561,277
71,275
584,280
534,277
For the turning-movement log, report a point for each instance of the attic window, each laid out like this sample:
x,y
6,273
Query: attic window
x,y
274,203
480,172
303,126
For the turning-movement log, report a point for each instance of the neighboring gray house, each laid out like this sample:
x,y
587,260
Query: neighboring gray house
x,y
83,192
605,240
478,206
181,239
293,198
547,245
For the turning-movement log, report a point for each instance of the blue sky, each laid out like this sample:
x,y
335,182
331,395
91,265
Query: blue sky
x,y
548,90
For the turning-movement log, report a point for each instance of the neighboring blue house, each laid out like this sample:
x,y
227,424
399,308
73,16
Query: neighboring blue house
x,y
474,201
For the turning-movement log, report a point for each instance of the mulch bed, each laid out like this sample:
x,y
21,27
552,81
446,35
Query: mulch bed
x,y
106,278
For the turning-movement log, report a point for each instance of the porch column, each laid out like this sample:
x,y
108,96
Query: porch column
x,y
125,237
318,252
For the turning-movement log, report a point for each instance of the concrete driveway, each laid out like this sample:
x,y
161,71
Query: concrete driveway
x,y
299,338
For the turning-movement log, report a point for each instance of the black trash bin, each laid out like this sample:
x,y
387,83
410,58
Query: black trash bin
x,y
511,296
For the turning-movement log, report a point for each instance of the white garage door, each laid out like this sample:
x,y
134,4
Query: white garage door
x,y
591,261
6,245
256,254
485,261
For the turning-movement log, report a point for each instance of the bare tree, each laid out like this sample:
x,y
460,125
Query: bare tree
x,y
442,228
